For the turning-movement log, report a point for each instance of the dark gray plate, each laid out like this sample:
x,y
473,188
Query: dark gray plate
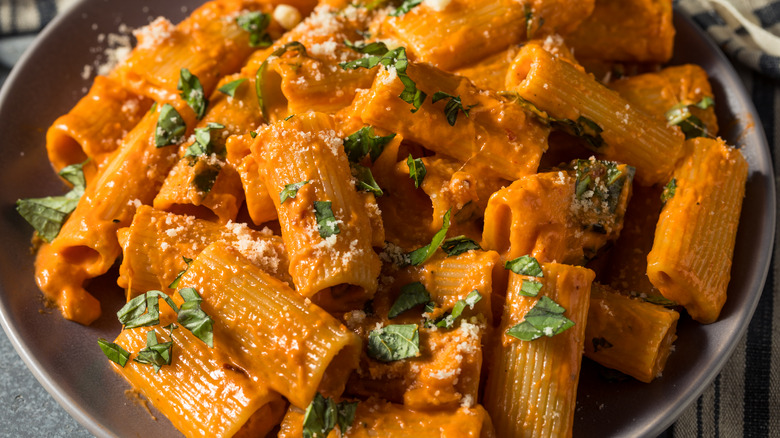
x,y
65,358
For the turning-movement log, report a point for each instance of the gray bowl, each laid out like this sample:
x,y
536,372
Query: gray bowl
x,y
65,358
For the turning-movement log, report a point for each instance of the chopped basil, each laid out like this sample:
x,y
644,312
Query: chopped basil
x,y
525,265
260,74
252,134
156,353
114,352
600,344
323,414
528,12
192,92
364,142
204,179
346,415
601,182
376,48
380,54
365,179
412,295
458,245
144,310
449,320
231,87
530,288
421,255
47,215
452,107
256,24
175,283
692,126
193,318
289,117
405,7
394,342
656,299
290,191
669,190
203,144
544,319
417,170
170,127
326,221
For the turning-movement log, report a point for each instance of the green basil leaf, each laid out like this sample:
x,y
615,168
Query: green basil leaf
x,y
405,7
156,353
192,92
417,170
203,144
365,179
260,74
47,215
114,352
525,265
376,48
175,283
394,342
544,319
705,102
193,318
170,127
290,191
346,415
412,295
530,288
449,320
204,179
320,417
144,310
256,24
458,245
231,87
364,142
692,126
421,255
669,190
326,221
453,106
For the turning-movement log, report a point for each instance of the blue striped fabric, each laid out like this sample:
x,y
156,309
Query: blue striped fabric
x,y
744,400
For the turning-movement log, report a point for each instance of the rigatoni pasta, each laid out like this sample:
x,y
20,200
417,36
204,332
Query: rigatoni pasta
x,y
342,218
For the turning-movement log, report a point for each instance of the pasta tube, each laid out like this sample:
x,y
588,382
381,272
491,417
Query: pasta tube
x,y
271,331
690,262
532,385
609,124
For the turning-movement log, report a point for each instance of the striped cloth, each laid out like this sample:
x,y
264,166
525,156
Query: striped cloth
x,y
744,400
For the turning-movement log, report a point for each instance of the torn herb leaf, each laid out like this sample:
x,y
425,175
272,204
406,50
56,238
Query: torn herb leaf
x,y
530,288
323,414
417,170
453,106
114,352
230,88
364,142
669,190
193,318
192,92
256,23
421,255
412,295
326,221
47,215
175,283
449,320
203,144
544,319
291,190
405,7
170,127
144,310
525,265
156,353
692,126
394,342
458,245
365,180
